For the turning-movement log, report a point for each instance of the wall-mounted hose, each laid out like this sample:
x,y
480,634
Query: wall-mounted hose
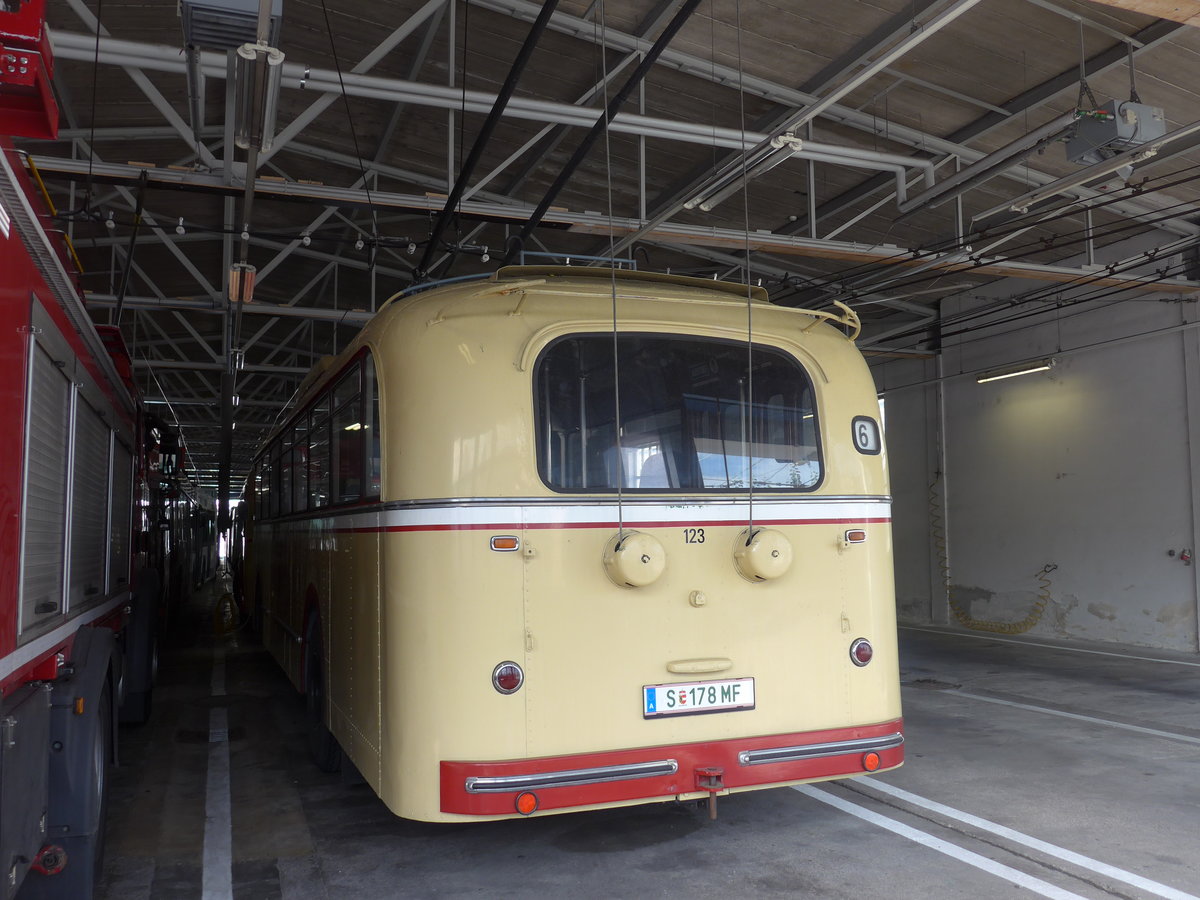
x,y
960,612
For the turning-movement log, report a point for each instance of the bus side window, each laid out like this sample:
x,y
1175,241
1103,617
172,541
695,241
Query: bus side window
x,y
347,439
285,478
371,426
265,494
300,466
275,479
318,459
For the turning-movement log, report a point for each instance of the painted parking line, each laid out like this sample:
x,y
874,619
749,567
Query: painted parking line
x,y
1048,849
1008,873
1094,720
1001,640
218,816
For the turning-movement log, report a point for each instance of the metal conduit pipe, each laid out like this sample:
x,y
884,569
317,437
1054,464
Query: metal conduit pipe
x,y
988,166
296,76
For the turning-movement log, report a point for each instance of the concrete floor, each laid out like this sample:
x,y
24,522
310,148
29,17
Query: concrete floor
x,y
1033,770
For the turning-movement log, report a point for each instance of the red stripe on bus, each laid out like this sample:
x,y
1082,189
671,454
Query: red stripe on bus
x,y
513,526
691,758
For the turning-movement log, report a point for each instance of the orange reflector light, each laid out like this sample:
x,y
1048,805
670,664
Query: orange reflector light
x,y
79,706
506,542
870,761
526,803
855,537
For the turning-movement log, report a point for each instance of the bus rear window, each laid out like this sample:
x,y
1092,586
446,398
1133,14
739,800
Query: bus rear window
x,y
696,415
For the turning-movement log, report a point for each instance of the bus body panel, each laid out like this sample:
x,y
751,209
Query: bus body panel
x,y
417,609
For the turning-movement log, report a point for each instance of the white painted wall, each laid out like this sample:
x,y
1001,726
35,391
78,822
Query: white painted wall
x,y
1093,467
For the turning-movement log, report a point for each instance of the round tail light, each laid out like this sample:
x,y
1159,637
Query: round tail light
x,y
861,652
507,677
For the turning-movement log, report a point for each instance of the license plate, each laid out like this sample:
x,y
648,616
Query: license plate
x,y
695,697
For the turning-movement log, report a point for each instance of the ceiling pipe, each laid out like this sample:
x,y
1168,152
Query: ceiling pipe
x,y
297,76
989,166
601,224
340,316
757,160
481,140
1129,157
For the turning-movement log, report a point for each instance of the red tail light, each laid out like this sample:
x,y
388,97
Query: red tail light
x,y
861,652
507,677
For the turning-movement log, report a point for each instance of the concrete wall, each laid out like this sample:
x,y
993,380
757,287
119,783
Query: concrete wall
x,y
1092,467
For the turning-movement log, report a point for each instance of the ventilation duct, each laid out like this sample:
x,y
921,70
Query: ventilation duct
x,y
226,24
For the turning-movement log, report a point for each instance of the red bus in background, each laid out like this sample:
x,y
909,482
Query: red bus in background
x,y
85,489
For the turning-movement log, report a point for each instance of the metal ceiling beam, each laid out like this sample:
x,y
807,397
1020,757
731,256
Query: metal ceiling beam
x,y
297,125
599,224
484,135
152,93
1148,38
71,46
603,123
186,365
342,317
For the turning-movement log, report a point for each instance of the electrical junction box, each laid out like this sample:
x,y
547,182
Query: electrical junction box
x,y
1117,125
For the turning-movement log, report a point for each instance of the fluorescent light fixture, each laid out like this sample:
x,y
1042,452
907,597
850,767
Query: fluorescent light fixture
x,y
1024,368
256,78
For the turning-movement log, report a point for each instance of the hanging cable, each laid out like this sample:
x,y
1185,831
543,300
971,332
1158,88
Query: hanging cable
x,y
612,274
353,131
748,411
482,140
517,242
1133,94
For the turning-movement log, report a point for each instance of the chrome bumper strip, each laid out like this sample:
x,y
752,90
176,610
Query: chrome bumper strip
x,y
499,784
816,751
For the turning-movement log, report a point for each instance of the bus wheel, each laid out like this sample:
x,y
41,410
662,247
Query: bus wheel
x,y
323,746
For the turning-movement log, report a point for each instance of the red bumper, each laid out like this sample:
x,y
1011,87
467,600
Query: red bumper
x,y
659,773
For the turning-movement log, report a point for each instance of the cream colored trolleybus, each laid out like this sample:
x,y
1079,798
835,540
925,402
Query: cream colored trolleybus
x,y
522,561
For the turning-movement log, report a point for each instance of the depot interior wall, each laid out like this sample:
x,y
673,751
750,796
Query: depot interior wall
x,y
1089,468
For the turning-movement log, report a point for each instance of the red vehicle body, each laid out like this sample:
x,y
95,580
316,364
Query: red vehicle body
x,y
80,596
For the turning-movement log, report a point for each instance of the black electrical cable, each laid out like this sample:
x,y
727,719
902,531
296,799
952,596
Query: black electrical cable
x,y
865,270
353,131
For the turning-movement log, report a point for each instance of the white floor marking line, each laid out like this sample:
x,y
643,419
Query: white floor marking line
x,y
1171,735
992,637
218,814
1008,873
1075,859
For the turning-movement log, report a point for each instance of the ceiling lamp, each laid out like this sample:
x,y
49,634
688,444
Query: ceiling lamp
x,y
1024,368
256,82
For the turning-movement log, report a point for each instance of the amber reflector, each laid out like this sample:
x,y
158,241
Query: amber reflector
x,y
79,706
505,542
870,761
855,537
526,803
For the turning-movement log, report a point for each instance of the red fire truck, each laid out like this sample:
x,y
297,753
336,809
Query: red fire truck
x,y
78,602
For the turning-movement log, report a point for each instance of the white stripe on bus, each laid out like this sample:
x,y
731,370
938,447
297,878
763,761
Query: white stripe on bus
x,y
1068,856
1008,873
605,516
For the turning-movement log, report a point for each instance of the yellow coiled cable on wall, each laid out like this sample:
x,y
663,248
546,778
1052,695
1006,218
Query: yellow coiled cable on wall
x,y
937,528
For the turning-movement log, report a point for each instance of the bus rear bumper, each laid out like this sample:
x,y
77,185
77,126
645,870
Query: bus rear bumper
x,y
662,773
